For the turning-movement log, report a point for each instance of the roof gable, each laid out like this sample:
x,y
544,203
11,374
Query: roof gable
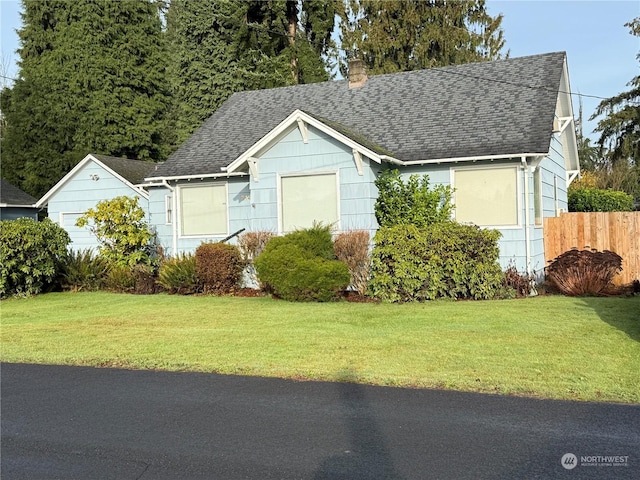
x,y
11,196
130,172
503,107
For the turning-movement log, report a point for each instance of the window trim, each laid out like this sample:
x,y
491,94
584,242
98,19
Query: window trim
x,y
179,225
538,200
308,173
168,208
519,194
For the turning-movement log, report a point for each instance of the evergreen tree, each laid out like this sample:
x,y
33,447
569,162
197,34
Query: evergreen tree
x,y
219,47
401,35
91,79
619,140
620,129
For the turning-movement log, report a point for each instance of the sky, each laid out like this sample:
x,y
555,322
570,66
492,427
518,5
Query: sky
x,y
601,53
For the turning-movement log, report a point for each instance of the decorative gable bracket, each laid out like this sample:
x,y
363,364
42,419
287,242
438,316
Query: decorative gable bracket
x,y
303,130
357,158
253,168
560,123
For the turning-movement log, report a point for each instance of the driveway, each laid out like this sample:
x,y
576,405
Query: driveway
x,y
86,423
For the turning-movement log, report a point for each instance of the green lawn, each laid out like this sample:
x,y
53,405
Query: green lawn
x,y
551,347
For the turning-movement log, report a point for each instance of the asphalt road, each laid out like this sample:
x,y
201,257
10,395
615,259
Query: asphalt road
x,y
85,423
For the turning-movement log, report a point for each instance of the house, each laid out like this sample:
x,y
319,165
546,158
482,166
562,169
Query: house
x,y
501,133
93,179
14,203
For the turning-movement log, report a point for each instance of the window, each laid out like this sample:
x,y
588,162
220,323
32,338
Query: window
x,y
486,196
168,201
203,210
537,196
305,199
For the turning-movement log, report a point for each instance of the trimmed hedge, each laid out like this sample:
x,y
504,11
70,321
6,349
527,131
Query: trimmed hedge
x,y
301,266
443,260
218,267
597,200
30,253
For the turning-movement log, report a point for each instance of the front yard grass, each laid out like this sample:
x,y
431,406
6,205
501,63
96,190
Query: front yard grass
x,y
548,347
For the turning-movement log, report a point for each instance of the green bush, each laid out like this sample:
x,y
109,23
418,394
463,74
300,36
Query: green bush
x,y
30,252
443,260
218,267
301,266
597,200
124,235
178,274
82,270
413,202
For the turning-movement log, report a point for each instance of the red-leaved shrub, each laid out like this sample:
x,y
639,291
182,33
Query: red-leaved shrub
x,y
583,272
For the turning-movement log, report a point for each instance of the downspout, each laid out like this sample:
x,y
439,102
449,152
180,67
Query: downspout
x,y
527,220
174,226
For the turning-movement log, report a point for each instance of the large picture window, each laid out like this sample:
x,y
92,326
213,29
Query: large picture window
x,y
486,196
203,210
306,199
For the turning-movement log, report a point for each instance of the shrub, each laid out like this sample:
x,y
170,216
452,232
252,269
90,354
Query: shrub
x,y
82,270
413,202
251,245
352,248
178,274
119,225
443,260
218,267
120,279
301,266
583,272
522,284
144,277
596,200
30,252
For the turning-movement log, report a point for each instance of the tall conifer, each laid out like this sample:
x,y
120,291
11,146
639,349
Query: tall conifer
x,y
91,79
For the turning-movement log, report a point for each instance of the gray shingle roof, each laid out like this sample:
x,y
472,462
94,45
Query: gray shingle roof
x,y
135,171
11,195
490,108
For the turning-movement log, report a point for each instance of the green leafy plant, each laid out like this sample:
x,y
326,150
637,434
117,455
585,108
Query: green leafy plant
x,y
178,274
412,202
121,229
83,270
120,279
30,253
352,248
585,199
301,266
218,267
443,260
583,272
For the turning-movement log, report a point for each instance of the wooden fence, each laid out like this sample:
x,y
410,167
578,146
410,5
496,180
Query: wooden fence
x,y
615,231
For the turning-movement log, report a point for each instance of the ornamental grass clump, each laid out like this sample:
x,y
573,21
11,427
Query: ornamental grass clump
x,y
352,248
251,245
584,272
178,274
83,270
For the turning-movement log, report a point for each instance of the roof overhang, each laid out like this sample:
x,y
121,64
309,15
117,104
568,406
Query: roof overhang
x,y
88,159
11,205
300,119
477,158
566,128
160,181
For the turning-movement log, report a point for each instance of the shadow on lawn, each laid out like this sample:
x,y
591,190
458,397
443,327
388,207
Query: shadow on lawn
x,y
620,312
368,456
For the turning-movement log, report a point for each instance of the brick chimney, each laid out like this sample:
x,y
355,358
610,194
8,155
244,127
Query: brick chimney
x,y
357,73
